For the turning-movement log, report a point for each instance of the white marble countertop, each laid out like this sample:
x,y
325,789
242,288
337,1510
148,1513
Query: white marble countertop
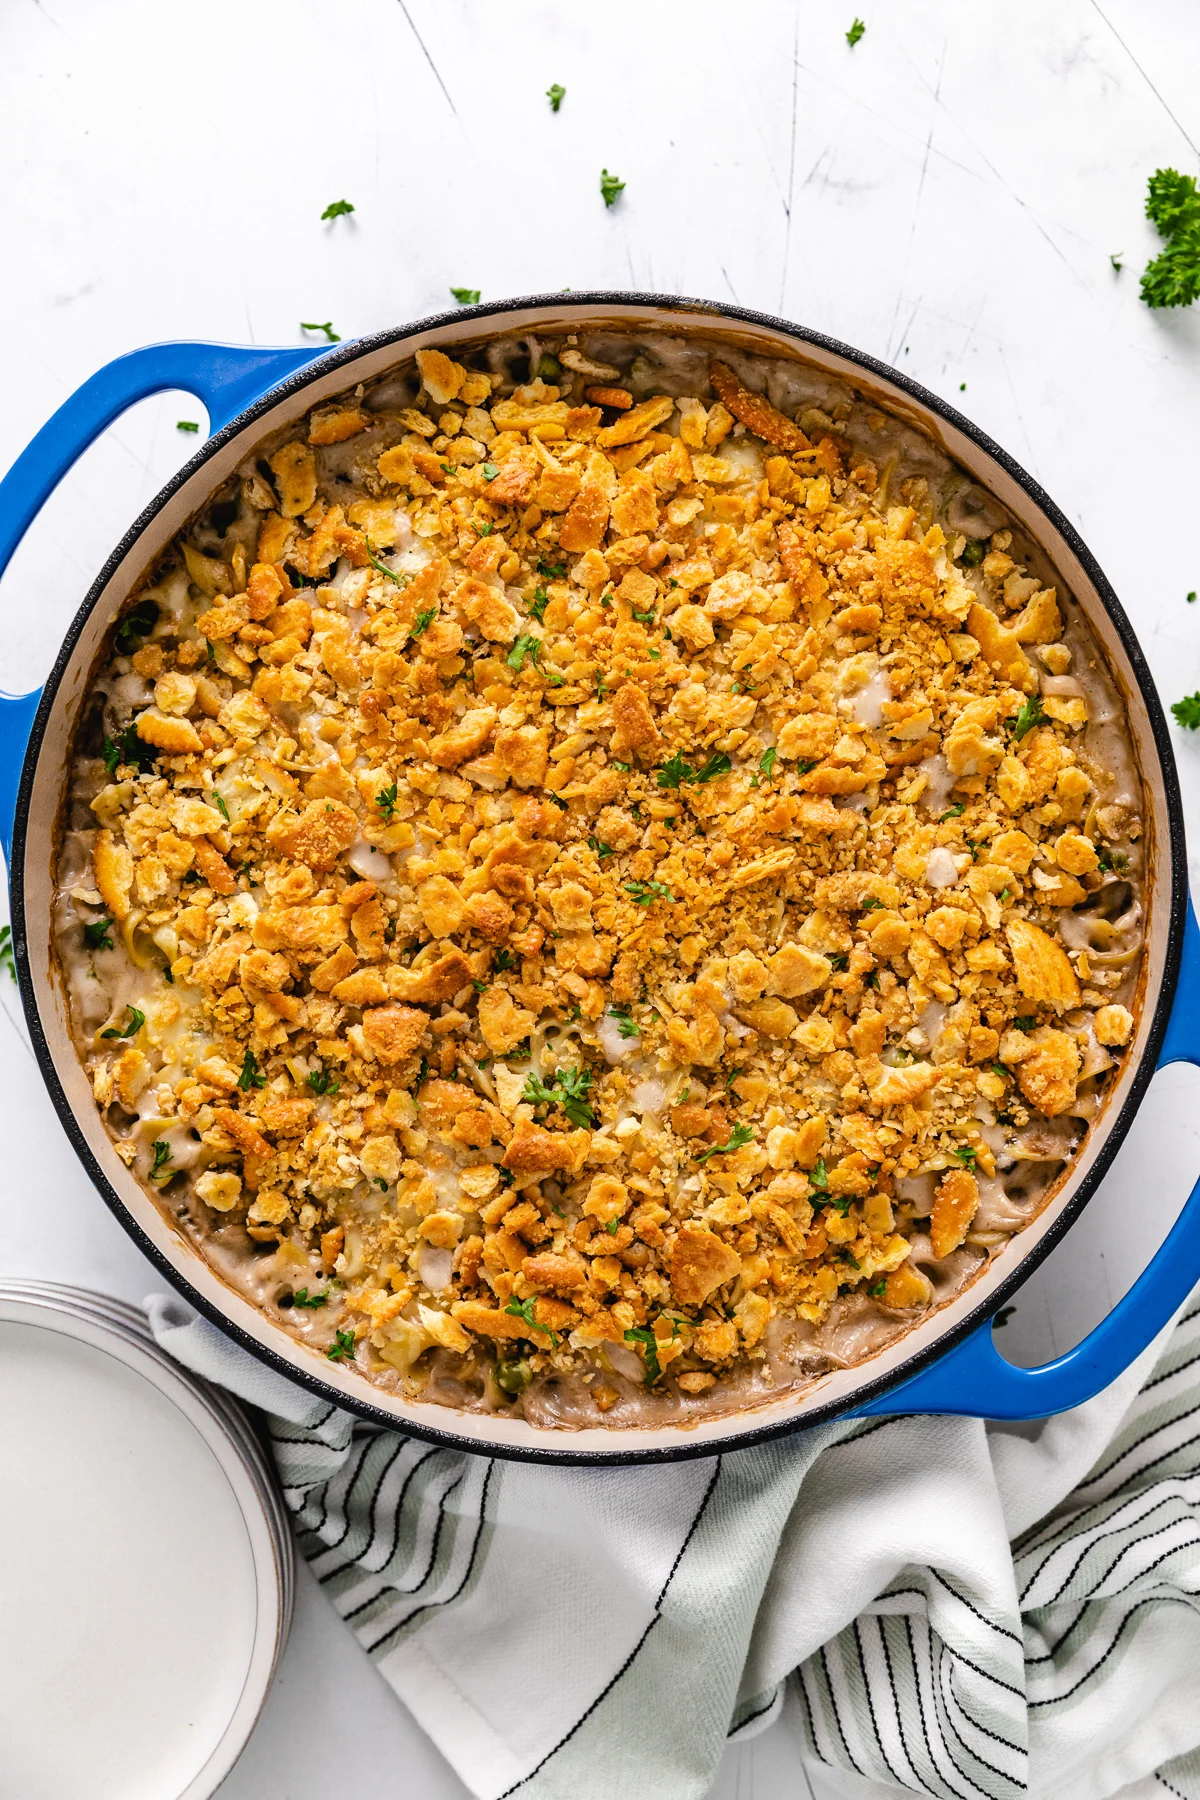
x,y
946,195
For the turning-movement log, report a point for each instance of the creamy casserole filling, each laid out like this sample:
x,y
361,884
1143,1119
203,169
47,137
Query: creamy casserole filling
x,y
600,879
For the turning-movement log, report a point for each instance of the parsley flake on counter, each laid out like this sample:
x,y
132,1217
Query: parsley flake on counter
x,y
342,1346
855,33
1173,205
466,296
6,951
1115,259
741,1134
523,1309
610,187
555,94
251,1076
136,1021
186,425
162,1156
1187,711
331,336
96,934
337,209
1191,598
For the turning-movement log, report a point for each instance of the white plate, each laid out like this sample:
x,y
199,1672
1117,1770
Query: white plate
x,y
145,1561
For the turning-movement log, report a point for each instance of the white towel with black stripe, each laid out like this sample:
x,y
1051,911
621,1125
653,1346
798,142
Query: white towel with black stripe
x,y
939,1607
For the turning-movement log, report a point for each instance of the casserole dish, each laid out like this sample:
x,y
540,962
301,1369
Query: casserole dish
x,y
975,1379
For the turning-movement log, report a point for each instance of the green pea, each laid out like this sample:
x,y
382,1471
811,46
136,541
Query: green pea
x,y
513,1376
974,553
549,368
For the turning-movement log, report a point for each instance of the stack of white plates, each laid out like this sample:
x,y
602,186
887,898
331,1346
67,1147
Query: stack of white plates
x,y
145,1560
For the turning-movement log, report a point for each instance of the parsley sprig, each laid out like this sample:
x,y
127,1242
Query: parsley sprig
x,y
337,209
523,1309
1029,715
1173,205
741,1134
331,336
568,1088
131,1027
675,772
96,934
645,893
251,1076
342,1348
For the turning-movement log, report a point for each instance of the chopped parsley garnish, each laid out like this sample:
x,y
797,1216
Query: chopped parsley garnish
x,y
855,33
624,767
139,622
840,960
733,1075
504,959
1173,205
876,1288
556,94
302,1297
1030,714
221,806
539,603
385,800
610,187
568,1089
400,580
805,764
644,893
646,618
337,209
955,812
322,1082
466,296
95,934
625,1024
186,425
642,1334
741,1134
557,800
523,1309
250,1077
422,622
162,1156
1026,1022
817,1174
675,772
999,1069
136,1021
551,569
766,761
110,755
489,471
331,336
342,1346
966,1154
479,986
526,645
869,904
601,850
1187,711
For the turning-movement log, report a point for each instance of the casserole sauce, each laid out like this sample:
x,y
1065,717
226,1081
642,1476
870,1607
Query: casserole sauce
x,y
599,879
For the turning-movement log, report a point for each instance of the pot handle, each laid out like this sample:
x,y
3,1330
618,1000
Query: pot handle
x,y
227,378
975,1379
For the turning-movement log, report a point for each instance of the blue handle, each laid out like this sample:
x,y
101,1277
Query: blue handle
x,y
226,377
975,1379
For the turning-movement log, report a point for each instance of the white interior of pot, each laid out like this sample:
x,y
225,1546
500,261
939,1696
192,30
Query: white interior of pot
x,y
837,1388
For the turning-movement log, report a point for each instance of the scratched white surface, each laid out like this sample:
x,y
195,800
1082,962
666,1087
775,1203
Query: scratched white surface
x,y
946,195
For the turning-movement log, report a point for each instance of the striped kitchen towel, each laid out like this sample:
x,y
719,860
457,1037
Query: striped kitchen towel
x,y
939,1607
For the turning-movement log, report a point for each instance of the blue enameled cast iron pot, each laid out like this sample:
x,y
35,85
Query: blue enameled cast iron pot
x,y
947,1363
